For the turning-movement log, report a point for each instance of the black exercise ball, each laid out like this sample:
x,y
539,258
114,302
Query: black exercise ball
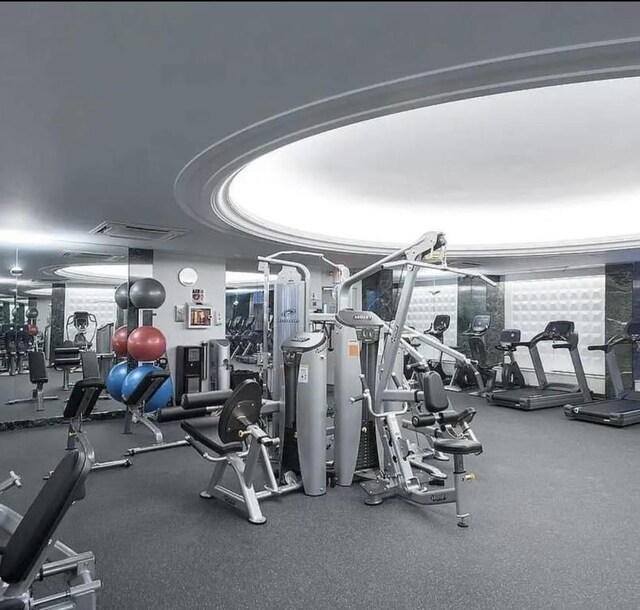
x,y
122,296
32,313
147,293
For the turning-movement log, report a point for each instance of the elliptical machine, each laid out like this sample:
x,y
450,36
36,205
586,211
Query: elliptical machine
x,y
82,321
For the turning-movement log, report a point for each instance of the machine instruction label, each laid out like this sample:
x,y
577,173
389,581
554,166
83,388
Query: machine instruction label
x,y
354,350
303,375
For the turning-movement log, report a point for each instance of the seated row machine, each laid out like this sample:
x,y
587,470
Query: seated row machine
x,y
396,476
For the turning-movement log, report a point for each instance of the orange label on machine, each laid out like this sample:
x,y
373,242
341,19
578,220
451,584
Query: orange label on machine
x,y
354,350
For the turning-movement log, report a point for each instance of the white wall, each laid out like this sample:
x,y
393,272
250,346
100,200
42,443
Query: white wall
x,y
211,277
531,303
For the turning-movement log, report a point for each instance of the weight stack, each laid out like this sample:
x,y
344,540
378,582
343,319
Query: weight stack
x,y
368,448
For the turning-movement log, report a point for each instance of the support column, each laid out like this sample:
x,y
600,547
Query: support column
x,y
619,301
140,266
58,296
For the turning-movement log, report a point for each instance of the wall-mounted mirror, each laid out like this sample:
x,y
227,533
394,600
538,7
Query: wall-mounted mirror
x,y
64,298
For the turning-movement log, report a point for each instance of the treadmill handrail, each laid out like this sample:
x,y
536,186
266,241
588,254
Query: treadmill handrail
x,y
610,344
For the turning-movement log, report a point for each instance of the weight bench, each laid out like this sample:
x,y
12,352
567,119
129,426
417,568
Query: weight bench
x,y
83,399
38,377
29,553
237,441
91,369
65,359
134,403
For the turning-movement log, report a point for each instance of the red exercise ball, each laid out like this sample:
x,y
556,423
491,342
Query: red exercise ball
x,y
146,344
119,341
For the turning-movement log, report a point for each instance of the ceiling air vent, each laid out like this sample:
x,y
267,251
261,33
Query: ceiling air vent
x,y
93,256
122,230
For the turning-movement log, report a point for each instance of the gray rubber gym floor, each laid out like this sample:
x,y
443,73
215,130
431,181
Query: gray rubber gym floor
x,y
554,525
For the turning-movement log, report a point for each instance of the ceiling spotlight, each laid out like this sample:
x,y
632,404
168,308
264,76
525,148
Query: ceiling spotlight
x,y
16,271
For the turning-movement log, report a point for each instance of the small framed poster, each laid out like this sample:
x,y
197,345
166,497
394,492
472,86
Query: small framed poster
x,y
199,316
197,295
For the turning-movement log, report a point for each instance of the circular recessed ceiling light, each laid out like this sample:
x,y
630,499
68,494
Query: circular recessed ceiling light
x,y
93,273
555,166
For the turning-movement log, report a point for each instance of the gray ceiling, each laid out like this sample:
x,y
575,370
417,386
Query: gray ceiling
x,y
102,104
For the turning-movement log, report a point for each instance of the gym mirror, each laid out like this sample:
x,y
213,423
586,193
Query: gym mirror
x,y
64,297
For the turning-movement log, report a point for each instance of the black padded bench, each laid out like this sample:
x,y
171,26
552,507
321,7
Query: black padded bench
x,y
65,359
135,402
82,401
28,554
205,431
38,377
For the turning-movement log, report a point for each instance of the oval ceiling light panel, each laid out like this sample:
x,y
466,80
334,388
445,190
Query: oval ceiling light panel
x,y
541,167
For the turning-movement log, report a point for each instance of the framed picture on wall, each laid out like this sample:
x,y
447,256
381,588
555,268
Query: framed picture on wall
x,y
199,316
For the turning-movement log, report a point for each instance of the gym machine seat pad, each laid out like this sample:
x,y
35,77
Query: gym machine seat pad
x,y
205,431
457,446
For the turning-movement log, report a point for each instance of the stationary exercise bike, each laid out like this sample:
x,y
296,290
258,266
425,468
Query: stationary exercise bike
x,y
82,321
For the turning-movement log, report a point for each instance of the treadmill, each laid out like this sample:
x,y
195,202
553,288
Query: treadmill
x,y
563,336
624,408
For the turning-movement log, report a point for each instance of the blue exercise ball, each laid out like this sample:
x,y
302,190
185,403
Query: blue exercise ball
x,y
115,379
160,399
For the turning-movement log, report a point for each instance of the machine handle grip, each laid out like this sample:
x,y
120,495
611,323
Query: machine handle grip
x,y
415,365
355,399
267,441
599,348
561,345
421,421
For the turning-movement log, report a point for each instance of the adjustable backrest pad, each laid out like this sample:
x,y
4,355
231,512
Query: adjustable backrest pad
x,y
149,385
435,396
37,368
83,398
89,365
39,524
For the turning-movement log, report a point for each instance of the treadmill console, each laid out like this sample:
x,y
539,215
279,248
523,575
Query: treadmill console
x,y
633,331
559,329
441,323
509,336
481,323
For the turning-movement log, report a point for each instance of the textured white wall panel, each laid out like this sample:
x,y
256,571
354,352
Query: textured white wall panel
x,y
430,300
98,300
531,304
